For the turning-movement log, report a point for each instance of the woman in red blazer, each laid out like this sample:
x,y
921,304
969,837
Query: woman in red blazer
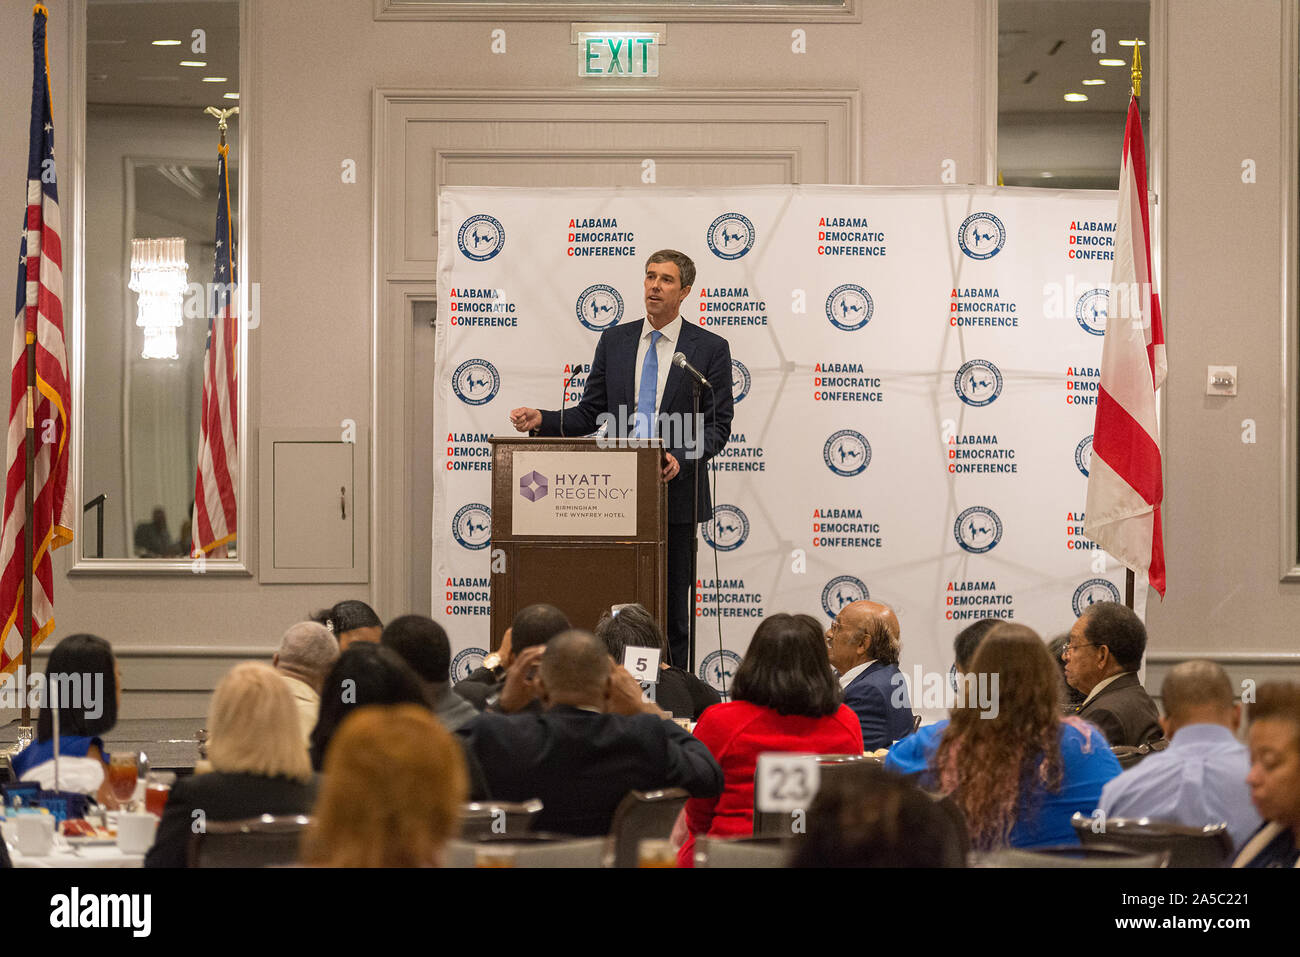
x,y
784,698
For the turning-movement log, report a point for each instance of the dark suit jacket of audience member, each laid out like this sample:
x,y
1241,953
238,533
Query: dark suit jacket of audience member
x,y
871,696
683,694
222,796
582,763
1124,712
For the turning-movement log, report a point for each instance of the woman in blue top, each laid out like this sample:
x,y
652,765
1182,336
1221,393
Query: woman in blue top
x,y
1019,772
89,684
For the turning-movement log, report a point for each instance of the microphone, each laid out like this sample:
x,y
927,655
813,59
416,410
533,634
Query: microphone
x,y
679,360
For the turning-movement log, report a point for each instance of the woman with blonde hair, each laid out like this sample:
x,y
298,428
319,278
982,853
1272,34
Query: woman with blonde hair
x,y
259,765
394,783
1014,766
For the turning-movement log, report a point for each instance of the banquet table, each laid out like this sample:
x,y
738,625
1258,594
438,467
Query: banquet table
x,y
95,855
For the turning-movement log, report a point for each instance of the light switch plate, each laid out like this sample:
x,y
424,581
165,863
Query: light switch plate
x,y
1221,380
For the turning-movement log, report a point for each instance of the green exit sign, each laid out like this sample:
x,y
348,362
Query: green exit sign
x,y
618,53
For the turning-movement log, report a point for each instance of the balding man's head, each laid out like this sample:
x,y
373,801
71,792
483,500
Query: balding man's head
x,y
575,670
1198,692
863,631
307,652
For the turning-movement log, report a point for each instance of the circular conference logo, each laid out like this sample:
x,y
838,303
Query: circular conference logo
x,y
481,237
1090,311
982,236
466,663
978,382
740,380
1091,592
977,529
600,307
728,530
475,381
847,452
472,526
1083,455
842,591
849,307
718,669
731,235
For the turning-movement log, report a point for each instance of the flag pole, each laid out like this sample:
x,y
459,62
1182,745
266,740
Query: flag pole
x,y
1130,579
29,540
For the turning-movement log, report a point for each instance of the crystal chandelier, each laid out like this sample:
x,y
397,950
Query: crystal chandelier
x,y
158,276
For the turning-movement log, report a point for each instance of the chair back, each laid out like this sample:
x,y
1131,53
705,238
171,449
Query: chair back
x,y
1208,846
266,841
527,850
642,815
742,852
782,824
1072,855
498,818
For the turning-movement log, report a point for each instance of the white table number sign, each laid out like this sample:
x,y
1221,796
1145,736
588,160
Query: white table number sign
x,y
786,782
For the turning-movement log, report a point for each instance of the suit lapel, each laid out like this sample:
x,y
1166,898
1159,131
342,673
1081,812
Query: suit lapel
x,y
623,369
686,346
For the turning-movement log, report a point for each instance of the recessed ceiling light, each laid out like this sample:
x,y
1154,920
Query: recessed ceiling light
x,y
214,79
1129,43
194,62
1046,174
1113,62
231,96
1075,98
98,77
1094,82
166,43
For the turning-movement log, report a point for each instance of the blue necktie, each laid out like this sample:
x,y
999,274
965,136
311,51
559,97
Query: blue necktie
x,y
645,397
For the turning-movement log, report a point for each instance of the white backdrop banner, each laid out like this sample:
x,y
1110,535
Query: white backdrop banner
x,y
915,372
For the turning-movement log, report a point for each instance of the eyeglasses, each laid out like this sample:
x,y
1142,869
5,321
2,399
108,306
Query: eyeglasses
x,y
1065,652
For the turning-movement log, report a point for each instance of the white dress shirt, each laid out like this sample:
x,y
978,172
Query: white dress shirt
x,y
848,677
664,349
1102,684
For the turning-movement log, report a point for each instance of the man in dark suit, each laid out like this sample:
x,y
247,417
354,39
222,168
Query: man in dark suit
x,y
595,741
1105,651
863,644
635,388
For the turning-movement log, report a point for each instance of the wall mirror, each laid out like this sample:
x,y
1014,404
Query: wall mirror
x,y
147,190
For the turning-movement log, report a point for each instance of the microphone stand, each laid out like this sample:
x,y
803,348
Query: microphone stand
x,y
695,525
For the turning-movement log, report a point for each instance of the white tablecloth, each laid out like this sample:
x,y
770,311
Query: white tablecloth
x,y
99,855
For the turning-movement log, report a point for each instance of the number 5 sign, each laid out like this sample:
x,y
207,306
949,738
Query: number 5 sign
x,y
642,663
786,782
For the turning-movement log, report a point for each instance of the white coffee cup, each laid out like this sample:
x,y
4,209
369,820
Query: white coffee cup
x,y
34,834
135,831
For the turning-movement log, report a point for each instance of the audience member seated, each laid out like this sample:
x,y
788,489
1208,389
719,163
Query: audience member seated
x,y
393,787
258,763
351,621
1200,778
1018,774
912,755
89,686
784,698
423,645
863,644
1274,777
533,626
596,740
867,817
677,691
364,674
1072,697
306,654
1104,653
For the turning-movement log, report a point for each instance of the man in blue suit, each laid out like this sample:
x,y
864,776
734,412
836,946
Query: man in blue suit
x,y
863,645
635,388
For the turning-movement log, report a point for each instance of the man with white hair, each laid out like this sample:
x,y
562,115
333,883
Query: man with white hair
x,y
306,654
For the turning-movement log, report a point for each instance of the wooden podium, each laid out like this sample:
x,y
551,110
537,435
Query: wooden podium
x,y
548,497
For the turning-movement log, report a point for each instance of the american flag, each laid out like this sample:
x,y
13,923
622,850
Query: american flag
x,y
213,527
1125,486
38,318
